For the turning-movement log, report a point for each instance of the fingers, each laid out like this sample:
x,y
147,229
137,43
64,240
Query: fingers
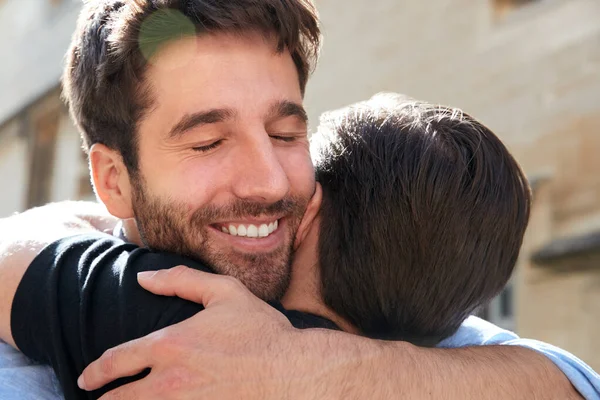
x,y
193,285
125,360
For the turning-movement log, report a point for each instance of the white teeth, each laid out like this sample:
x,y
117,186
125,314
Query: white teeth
x,y
252,231
263,231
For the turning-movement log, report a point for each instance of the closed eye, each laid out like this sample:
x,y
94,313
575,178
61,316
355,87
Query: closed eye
x,y
284,138
204,149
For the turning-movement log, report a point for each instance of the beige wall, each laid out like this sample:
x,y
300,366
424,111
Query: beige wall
x,y
533,76
559,304
34,35
563,309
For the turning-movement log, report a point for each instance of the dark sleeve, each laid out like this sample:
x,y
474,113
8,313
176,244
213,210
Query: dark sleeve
x,y
80,297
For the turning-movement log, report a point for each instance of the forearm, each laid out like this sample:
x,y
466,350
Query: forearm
x,y
366,368
492,372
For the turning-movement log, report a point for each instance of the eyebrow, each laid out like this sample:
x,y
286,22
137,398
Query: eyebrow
x,y
286,108
280,109
190,121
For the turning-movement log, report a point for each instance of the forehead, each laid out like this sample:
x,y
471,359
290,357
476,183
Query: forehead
x,y
221,70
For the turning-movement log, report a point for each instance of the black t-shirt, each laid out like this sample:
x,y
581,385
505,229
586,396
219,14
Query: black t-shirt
x,y
80,297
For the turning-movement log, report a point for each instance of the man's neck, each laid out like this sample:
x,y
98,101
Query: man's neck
x,y
304,292
129,231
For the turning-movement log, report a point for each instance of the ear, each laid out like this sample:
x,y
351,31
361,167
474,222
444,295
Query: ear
x,y
111,180
312,210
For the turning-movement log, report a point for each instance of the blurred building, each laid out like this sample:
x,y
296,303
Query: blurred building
x,y
40,152
529,69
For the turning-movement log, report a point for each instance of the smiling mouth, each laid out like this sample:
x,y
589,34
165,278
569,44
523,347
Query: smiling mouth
x,y
262,230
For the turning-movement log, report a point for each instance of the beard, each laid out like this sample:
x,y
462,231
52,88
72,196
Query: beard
x,y
167,225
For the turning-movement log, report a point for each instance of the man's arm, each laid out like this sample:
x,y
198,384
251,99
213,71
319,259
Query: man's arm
x,y
23,236
79,297
477,332
254,354
35,229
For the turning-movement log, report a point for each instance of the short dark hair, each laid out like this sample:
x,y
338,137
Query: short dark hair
x,y
423,216
103,79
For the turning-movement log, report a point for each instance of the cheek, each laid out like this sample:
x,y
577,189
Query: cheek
x,y
200,183
189,183
184,178
299,169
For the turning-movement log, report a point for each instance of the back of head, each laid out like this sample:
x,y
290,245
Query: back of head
x,y
423,215
115,40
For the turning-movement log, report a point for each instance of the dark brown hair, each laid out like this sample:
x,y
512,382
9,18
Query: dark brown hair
x,y
423,216
104,76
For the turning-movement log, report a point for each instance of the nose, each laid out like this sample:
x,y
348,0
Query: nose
x,y
260,176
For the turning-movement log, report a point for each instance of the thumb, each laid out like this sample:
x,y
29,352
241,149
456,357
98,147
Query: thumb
x,y
191,284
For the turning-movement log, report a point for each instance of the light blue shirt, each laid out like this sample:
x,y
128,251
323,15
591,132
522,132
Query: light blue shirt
x,y
23,379
477,332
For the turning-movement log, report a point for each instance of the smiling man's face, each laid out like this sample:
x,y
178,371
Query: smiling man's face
x,y
224,167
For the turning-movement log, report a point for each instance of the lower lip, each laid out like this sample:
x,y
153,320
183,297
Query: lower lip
x,y
254,245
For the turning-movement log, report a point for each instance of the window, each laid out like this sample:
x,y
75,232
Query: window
x,y
42,135
13,167
506,303
501,310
